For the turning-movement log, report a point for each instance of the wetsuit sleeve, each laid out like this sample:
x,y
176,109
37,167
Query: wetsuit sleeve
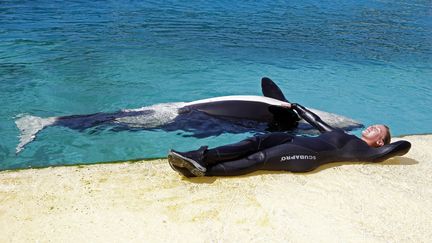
x,y
312,118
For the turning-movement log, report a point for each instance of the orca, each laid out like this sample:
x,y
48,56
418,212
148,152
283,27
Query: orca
x,y
200,118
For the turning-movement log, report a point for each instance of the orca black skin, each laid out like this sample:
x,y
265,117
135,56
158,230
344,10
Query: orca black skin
x,y
192,123
270,89
283,119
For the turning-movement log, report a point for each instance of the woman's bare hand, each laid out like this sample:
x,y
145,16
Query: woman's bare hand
x,y
286,105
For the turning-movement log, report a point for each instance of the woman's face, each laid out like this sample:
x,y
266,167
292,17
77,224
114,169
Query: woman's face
x,y
374,135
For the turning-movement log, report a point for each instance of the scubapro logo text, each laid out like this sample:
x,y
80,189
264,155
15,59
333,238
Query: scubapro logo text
x,y
298,157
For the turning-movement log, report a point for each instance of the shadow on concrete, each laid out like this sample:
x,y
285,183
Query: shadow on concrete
x,y
392,161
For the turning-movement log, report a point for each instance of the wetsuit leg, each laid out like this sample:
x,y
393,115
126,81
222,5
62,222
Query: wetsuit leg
x,y
245,147
287,157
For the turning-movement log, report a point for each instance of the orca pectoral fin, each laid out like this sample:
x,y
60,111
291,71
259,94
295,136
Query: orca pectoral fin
x,y
271,90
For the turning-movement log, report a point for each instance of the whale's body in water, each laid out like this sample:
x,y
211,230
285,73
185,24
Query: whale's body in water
x,y
201,118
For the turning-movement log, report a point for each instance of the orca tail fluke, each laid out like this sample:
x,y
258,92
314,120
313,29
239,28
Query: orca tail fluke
x,y
29,126
271,90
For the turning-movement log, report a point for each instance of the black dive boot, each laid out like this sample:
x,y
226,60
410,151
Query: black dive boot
x,y
193,160
181,170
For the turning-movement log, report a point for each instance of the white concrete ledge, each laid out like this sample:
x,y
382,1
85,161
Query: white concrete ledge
x,y
147,201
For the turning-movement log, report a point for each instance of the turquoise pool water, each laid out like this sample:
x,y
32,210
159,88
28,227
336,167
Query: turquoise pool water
x,y
371,61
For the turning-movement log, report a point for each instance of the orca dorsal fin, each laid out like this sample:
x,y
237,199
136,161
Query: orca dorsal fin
x,y
271,90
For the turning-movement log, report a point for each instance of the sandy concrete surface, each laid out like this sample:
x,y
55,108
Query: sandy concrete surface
x,y
148,202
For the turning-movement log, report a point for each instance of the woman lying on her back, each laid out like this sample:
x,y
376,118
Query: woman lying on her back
x,y
283,151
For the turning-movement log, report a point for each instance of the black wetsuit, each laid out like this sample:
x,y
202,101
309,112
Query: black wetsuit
x,y
282,151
